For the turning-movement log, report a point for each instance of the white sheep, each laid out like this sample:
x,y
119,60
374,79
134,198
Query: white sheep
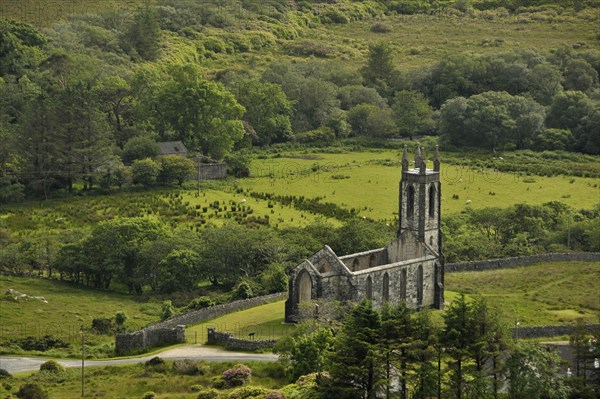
x,y
468,202
243,201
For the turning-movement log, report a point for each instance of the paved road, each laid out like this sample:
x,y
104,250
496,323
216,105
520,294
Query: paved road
x,y
14,364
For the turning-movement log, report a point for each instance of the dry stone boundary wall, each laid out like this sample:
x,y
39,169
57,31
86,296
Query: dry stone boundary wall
x,y
234,344
172,331
493,264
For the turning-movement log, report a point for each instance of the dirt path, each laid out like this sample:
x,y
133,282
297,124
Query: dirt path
x,y
16,364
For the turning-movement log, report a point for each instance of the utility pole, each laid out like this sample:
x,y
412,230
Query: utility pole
x,y
82,363
199,164
569,230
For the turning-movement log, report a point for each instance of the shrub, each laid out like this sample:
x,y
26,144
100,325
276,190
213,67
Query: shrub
x,y
167,310
186,367
306,48
208,394
200,303
139,148
275,395
175,169
196,388
52,366
149,395
155,361
219,382
380,28
120,318
40,344
238,375
145,171
242,291
4,374
31,391
102,326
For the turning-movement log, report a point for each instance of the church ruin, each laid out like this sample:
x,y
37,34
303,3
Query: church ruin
x,y
410,268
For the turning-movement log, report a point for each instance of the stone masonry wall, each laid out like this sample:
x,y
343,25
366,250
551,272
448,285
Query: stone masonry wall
x,y
548,331
231,343
213,171
521,261
172,331
148,338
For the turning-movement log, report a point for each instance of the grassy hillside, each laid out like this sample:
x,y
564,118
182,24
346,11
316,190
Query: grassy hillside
x,y
69,308
421,40
541,294
45,12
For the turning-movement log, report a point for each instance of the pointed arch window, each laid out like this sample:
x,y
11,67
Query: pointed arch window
x,y
403,285
369,288
386,287
304,287
420,285
410,202
431,201
372,262
355,265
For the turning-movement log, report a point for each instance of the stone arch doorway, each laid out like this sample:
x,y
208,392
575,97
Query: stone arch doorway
x,y
304,287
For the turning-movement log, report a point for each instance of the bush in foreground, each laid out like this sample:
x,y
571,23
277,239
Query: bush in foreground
x,y
52,366
31,391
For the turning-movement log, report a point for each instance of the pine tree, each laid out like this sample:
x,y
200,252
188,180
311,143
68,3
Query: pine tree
x,y
395,344
354,363
425,336
458,337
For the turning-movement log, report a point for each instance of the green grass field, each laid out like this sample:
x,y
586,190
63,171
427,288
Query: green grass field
x,y
360,180
542,294
69,307
266,321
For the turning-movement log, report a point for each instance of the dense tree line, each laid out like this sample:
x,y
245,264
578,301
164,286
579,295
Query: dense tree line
x,y
397,352
89,96
521,229
145,255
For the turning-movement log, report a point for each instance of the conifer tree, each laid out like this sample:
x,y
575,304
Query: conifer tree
x,y
354,361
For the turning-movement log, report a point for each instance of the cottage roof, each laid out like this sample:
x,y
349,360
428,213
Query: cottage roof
x,y
172,148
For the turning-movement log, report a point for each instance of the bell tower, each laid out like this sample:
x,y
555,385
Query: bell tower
x,y
420,199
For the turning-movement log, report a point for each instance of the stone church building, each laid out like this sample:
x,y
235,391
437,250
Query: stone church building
x,y
410,268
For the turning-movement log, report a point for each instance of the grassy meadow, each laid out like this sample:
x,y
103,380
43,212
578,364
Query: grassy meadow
x,y
266,321
368,182
69,308
551,293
